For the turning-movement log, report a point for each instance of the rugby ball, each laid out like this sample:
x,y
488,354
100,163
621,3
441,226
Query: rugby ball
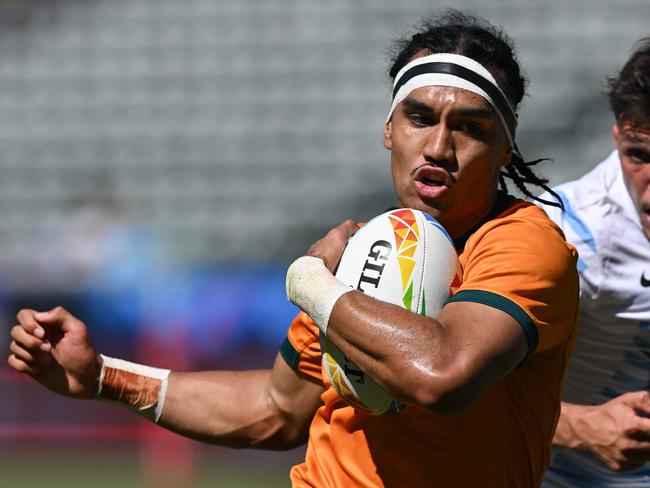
x,y
404,257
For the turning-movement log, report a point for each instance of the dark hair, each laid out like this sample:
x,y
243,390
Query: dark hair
x,y
629,92
452,31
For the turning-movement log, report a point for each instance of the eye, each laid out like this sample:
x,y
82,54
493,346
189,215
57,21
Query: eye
x,y
471,128
420,119
637,155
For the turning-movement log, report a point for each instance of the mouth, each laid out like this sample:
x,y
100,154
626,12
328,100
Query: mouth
x,y
431,176
431,182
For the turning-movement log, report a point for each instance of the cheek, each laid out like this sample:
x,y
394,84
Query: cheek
x,y
477,151
402,158
639,177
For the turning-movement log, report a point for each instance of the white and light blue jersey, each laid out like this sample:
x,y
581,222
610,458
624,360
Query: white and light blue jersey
x,y
612,352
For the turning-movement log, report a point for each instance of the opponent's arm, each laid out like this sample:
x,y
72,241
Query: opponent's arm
x,y
615,432
445,364
265,409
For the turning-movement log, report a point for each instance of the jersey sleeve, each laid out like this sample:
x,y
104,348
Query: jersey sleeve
x,y
524,267
301,349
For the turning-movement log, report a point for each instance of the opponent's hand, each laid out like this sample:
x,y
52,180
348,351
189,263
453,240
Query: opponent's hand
x,y
330,248
614,432
54,348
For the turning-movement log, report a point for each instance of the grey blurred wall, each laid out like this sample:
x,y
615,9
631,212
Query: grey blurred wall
x,y
241,130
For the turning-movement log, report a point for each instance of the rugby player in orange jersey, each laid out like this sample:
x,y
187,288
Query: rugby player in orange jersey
x,y
481,383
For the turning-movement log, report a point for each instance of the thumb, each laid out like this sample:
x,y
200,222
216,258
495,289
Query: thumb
x,y
55,317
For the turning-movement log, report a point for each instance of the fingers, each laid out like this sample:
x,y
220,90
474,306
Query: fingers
x,y
57,316
632,454
641,432
33,357
27,339
349,226
27,320
330,247
638,400
21,366
28,352
30,348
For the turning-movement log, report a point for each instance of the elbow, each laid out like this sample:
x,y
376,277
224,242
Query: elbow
x,y
279,435
442,392
450,402
292,436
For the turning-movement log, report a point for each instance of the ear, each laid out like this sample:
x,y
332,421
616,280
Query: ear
x,y
506,157
388,133
617,136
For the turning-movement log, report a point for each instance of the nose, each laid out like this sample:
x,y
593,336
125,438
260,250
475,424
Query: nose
x,y
439,145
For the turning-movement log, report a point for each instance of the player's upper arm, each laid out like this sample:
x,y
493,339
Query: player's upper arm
x,y
490,344
295,398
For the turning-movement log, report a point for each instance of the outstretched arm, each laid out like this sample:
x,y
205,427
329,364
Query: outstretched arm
x,y
616,432
268,409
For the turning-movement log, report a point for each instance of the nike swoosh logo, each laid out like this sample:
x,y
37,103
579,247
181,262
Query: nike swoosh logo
x,y
644,281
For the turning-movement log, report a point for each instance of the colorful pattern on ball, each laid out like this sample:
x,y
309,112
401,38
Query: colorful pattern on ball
x,y
407,237
339,383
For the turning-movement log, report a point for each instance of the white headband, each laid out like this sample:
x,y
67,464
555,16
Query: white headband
x,y
457,71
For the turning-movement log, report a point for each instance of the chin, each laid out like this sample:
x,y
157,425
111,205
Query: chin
x,y
430,207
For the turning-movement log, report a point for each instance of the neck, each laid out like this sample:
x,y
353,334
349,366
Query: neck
x,y
459,227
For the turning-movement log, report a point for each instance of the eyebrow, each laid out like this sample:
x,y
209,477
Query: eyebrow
x,y
635,138
472,112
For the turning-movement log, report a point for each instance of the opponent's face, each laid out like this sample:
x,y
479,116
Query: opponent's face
x,y
633,144
447,148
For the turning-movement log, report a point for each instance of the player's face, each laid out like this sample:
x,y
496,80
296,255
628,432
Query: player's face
x,y
633,144
447,148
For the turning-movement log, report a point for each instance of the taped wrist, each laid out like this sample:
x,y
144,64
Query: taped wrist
x,y
312,287
139,388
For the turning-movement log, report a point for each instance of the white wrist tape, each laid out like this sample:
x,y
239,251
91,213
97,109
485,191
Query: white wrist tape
x,y
139,388
312,287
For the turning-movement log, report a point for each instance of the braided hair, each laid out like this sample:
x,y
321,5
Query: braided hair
x,y
455,32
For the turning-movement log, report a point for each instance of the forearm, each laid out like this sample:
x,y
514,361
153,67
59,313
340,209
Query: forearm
x,y
444,364
266,409
229,408
386,342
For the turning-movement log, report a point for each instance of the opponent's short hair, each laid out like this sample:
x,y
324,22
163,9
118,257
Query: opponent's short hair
x,y
455,32
629,92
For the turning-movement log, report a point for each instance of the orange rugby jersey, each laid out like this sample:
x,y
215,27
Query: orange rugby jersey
x,y
518,262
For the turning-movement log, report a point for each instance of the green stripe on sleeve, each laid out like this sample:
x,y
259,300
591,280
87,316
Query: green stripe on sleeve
x,y
289,354
505,305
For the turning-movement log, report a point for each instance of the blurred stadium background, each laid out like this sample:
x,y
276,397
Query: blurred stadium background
x,y
161,162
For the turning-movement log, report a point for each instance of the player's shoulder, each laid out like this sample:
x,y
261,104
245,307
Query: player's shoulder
x,y
593,188
522,216
524,228
587,200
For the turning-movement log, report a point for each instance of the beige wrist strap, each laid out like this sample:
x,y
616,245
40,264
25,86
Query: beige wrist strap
x,y
139,388
312,287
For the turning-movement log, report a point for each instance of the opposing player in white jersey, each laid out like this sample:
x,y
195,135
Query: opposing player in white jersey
x,y
603,437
